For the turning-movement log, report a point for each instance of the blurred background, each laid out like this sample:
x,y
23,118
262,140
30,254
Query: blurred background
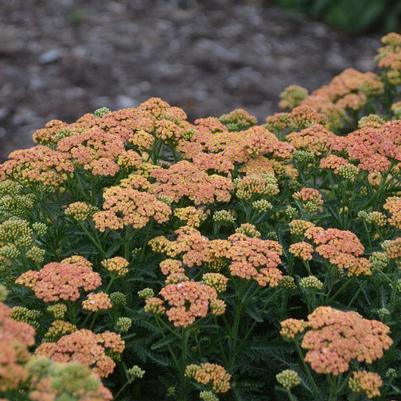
x,y
62,58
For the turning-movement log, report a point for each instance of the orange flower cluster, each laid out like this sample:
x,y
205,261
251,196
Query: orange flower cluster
x,y
376,149
389,57
255,259
187,301
15,338
341,248
210,373
184,179
190,245
127,205
302,116
190,215
40,165
314,139
347,91
61,281
290,328
85,347
310,198
117,265
302,250
94,150
333,162
366,382
96,301
393,248
79,211
393,206
334,338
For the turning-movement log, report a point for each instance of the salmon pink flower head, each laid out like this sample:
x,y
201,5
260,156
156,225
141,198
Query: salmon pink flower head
x,y
255,259
61,281
96,302
189,244
389,58
127,204
184,179
314,139
94,150
393,206
37,165
376,149
334,338
392,248
87,348
187,301
341,248
310,198
210,374
15,338
301,250
365,382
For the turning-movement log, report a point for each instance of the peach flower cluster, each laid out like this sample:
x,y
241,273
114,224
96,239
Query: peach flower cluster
x,y
389,57
334,338
314,139
37,165
255,259
365,382
96,302
341,248
393,248
184,179
210,374
302,250
127,205
94,150
375,149
15,338
393,206
188,301
117,265
310,198
61,281
347,91
87,348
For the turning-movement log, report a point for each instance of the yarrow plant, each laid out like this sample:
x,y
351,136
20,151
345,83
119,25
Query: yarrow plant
x,y
147,257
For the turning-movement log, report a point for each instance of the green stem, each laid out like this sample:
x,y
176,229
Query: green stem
x,y
307,370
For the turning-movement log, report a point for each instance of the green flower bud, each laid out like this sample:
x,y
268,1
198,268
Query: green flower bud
x,y
288,379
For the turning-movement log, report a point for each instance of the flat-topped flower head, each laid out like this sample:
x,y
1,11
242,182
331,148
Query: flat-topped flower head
x,y
302,250
15,338
96,302
393,207
117,265
365,382
210,374
79,211
37,165
62,281
187,301
334,338
238,120
310,198
255,259
392,248
341,248
95,150
127,205
85,347
184,179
